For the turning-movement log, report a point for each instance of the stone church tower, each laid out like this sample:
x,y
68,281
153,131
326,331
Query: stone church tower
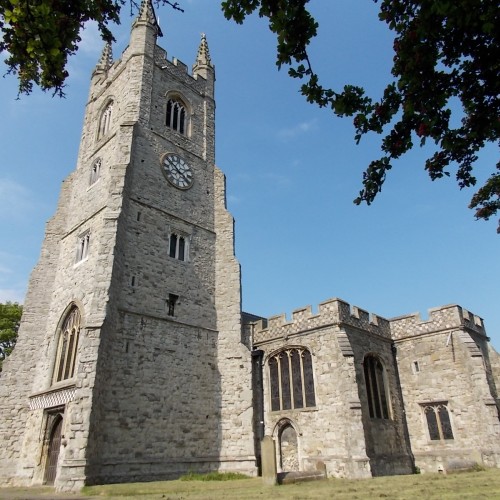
x,y
130,364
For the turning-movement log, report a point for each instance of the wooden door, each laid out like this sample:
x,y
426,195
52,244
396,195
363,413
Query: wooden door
x,y
53,451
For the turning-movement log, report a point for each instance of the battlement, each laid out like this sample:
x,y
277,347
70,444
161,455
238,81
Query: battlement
x,y
331,312
440,318
174,65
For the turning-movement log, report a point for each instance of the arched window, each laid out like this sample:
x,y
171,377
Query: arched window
x,y
291,379
378,400
82,247
105,120
176,116
438,421
178,247
95,172
67,346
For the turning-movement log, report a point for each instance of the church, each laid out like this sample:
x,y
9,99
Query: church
x,y
135,362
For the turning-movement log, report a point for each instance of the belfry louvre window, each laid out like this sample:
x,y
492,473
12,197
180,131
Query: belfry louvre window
x,y
67,346
291,379
95,172
105,120
176,116
82,249
378,401
178,247
438,421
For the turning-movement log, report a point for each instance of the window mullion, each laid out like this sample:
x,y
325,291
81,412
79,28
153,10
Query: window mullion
x,y
380,387
65,355
438,420
302,376
73,352
290,378
370,382
278,360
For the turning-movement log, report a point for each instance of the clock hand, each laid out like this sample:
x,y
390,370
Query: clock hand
x,y
181,173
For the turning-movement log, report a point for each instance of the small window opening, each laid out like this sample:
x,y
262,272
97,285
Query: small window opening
x,y
177,247
132,281
82,250
172,300
416,367
138,216
95,172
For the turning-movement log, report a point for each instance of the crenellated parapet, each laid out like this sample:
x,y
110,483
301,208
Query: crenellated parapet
x,y
440,319
333,312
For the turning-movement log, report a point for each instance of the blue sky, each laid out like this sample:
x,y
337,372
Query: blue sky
x,y
292,173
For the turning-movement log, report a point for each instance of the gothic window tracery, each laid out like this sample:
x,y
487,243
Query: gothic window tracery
x,y
67,346
291,379
438,421
105,120
376,388
176,118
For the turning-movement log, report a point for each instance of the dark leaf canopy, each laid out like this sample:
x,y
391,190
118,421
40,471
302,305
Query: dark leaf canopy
x,y
446,56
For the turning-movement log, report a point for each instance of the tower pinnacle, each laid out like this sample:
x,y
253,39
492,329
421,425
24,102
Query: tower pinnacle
x,y
147,16
106,59
203,61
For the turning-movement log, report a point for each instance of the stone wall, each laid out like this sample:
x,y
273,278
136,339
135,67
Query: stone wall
x,y
338,432
157,392
445,359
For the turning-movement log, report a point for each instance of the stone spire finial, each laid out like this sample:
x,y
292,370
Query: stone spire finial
x,y
203,56
147,16
106,60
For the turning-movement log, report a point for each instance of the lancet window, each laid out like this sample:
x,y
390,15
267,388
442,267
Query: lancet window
x,y
438,421
176,116
376,388
291,379
105,120
67,346
82,248
95,173
178,247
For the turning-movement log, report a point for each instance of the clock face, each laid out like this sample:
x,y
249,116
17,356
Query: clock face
x,y
177,171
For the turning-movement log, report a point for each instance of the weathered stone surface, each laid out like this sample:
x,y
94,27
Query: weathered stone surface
x,y
166,377
154,394
445,360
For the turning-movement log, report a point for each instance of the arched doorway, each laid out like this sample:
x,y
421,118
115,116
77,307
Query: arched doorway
x,y
53,450
288,445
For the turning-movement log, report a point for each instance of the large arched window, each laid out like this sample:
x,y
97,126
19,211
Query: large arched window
x,y
67,346
176,117
105,120
376,388
291,379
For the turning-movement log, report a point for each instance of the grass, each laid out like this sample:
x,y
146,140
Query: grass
x,y
471,485
213,476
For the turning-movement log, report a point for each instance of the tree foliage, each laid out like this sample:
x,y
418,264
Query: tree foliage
x,y
40,35
446,56
10,316
444,51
